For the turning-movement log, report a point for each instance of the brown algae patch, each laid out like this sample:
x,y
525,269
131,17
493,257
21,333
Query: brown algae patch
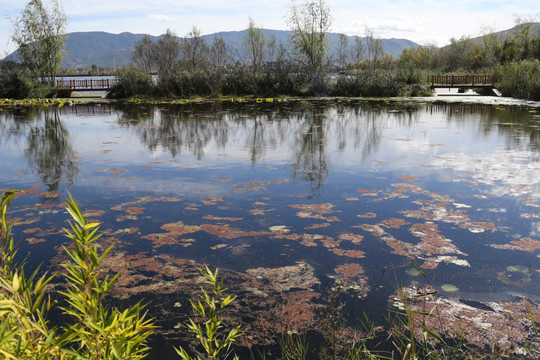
x,y
504,325
315,211
524,244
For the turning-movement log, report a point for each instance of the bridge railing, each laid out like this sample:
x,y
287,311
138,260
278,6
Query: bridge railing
x,y
462,80
86,84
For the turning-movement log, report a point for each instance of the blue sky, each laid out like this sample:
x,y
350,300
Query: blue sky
x,y
423,21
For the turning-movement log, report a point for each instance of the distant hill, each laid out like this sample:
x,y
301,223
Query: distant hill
x,y
110,50
535,29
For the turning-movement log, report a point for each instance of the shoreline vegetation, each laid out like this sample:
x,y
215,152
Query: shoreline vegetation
x,y
276,101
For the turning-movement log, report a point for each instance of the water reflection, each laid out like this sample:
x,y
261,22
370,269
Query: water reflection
x,y
48,147
301,135
50,153
310,158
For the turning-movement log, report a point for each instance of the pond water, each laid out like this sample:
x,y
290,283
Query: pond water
x,y
286,198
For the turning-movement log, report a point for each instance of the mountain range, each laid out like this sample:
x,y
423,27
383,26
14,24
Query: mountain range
x,y
84,49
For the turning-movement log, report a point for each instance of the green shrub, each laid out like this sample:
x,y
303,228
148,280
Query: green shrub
x,y
15,83
24,330
212,334
132,82
373,83
96,332
519,79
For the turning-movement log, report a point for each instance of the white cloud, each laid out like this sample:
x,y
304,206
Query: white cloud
x,y
160,17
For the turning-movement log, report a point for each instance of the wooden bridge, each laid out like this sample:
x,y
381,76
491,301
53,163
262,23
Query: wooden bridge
x,y
462,81
86,84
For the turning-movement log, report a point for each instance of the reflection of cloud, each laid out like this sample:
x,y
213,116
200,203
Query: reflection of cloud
x,y
535,231
507,173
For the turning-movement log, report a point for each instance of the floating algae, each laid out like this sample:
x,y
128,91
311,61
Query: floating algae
x,y
518,268
515,275
412,272
449,288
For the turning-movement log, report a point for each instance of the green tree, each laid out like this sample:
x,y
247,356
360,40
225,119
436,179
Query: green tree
x,y
40,35
255,42
310,23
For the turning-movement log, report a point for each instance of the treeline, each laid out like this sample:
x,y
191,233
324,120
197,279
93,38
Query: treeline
x,y
186,67
301,66
513,58
190,67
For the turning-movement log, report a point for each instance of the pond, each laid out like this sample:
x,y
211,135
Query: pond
x,y
291,201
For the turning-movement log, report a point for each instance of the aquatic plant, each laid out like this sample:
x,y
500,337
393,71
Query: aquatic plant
x,y
212,334
97,332
24,331
413,337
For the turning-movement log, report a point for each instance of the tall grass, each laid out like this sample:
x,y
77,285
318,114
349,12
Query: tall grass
x,y
519,79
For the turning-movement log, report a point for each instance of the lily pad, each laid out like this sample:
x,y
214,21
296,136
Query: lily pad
x,y
518,268
449,288
412,272
280,228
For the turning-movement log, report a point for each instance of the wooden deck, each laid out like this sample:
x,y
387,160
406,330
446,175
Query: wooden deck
x,y
462,81
86,85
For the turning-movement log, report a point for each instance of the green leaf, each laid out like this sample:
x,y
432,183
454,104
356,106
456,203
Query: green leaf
x,y
227,301
16,283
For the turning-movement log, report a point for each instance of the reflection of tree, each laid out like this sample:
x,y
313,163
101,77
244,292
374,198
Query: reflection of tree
x,y
310,159
49,151
263,128
515,124
177,128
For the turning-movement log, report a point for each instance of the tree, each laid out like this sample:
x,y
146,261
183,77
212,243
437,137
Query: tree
x,y
254,43
40,35
310,24
194,50
144,54
166,53
218,57
357,50
166,58
341,51
374,47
